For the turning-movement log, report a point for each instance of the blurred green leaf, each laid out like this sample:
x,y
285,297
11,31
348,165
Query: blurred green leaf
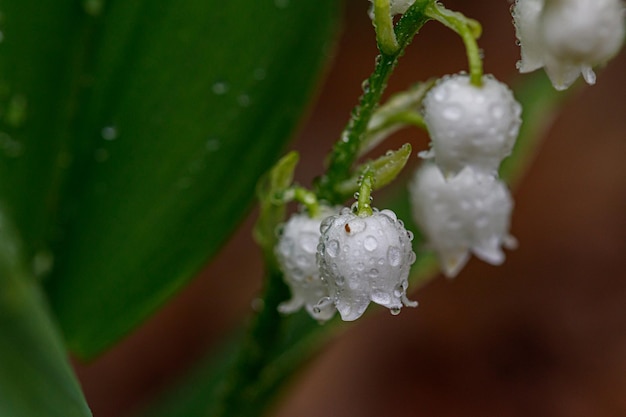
x,y
272,208
35,376
143,129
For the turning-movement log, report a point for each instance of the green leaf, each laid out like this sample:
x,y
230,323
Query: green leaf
x,y
384,170
147,125
35,378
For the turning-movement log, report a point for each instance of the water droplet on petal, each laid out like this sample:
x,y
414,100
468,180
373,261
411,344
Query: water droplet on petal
x,y
394,255
398,291
332,248
395,310
380,297
370,243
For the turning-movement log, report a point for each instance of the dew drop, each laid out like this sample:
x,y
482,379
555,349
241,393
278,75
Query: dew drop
x,y
395,311
497,112
220,88
243,100
326,224
373,273
101,155
93,7
370,243
360,266
394,255
308,242
380,297
15,113
340,280
365,85
9,146
42,262
398,291
412,257
257,304
302,261
259,74
452,113
109,133
332,248
212,145
357,226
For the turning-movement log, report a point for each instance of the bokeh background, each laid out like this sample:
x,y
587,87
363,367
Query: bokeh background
x,y
542,335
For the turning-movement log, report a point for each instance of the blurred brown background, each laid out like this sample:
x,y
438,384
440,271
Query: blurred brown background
x,y
543,335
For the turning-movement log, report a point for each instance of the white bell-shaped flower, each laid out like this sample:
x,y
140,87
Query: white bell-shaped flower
x,y
365,259
469,212
296,254
471,125
568,37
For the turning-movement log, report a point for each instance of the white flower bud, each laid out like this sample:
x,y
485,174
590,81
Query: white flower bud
x,y
296,255
365,259
468,212
470,125
568,37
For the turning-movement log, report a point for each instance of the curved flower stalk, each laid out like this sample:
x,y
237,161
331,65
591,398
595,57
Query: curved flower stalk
x,y
568,38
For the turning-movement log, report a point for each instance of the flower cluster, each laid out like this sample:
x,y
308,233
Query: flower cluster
x,y
344,262
458,201
568,38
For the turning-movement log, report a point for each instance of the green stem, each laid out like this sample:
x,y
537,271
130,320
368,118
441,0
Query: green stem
x,y
364,203
383,23
308,199
242,388
469,30
345,151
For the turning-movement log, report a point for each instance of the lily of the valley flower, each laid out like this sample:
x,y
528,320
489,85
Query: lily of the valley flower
x,y
471,125
568,37
364,259
296,254
462,214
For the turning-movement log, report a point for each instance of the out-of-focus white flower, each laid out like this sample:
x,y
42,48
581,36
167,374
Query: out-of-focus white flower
x,y
296,254
365,259
470,125
568,37
468,212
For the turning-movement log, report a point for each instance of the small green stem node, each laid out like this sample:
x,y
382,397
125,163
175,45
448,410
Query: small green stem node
x,y
364,206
